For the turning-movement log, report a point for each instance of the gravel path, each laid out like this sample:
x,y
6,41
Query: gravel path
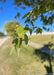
x,y
42,48
2,40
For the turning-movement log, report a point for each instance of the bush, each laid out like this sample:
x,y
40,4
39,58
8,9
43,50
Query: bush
x,y
2,34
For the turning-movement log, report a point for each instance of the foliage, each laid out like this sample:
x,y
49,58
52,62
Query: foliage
x,y
17,31
20,32
10,27
39,30
2,34
26,39
39,8
51,46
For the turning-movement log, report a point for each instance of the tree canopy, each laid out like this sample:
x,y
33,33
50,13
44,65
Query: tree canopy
x,y
39,8
10,27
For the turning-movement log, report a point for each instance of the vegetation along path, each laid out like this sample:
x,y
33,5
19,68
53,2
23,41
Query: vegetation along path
x,y
42,48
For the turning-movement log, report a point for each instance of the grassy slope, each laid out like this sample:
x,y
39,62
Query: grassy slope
x,y
30,60
42,39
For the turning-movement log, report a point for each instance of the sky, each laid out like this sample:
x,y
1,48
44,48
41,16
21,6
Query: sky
x,y
9,12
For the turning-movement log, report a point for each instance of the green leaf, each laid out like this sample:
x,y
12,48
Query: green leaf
x,y
28,14
26,27
38,30
18,14
15,41
21,31
12,50
52,47
18,51
50,11
35,13
19,42
44,28
18,45
30,30
33,18
25,15
32,23
26,39
27,20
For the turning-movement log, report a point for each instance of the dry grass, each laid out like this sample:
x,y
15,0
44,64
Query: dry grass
x,y
29,60
42,39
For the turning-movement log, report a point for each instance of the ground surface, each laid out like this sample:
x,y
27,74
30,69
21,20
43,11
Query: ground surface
x,y
42,48
3,39
29,61
41,42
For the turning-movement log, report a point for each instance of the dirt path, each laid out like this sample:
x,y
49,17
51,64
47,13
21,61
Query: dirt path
x,y
2,40
42,48
35,45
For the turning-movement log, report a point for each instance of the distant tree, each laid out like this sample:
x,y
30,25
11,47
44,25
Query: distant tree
x,y
10,27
